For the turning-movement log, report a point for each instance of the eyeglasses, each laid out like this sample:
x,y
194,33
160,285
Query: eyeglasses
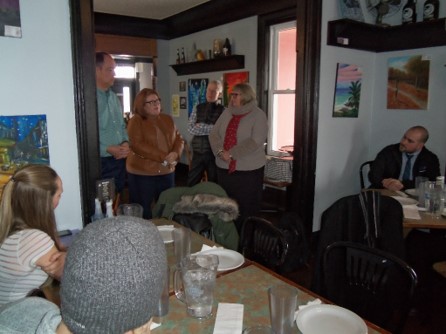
x,y
235,94
154,102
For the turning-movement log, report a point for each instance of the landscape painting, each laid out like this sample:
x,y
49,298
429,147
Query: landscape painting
x,y
408,83
348,91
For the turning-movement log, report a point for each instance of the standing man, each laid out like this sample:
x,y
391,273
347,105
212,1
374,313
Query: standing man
x,y
201,121
396,166
113,139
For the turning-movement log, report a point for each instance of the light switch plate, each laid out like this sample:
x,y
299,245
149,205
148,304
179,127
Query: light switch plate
x,y
105,189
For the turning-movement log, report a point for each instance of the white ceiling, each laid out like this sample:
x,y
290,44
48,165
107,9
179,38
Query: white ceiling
x,y
149,9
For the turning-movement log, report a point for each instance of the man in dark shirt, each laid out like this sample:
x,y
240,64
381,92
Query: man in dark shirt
x,y
201,121
396,166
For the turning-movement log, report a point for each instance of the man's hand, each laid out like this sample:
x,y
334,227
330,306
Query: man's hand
x,y
119,151
171,158
392,184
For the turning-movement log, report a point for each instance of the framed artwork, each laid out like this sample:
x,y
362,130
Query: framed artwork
x,y
351,9
347,91
23,140
10,24
175,105
183,102
230,80
196,93
408,83
182,86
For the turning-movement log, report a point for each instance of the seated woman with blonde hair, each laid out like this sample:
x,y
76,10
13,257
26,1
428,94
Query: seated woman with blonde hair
x,y
29,250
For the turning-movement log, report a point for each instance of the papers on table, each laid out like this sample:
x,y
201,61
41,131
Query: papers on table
x,y
411,212
229,319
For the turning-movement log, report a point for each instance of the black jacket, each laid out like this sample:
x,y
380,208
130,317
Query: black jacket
x,y
387,164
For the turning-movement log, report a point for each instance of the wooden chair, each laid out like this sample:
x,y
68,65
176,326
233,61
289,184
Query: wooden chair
x,y
376,285
364,168
263,243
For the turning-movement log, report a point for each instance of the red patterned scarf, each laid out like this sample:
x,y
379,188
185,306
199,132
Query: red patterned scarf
x,y
231,138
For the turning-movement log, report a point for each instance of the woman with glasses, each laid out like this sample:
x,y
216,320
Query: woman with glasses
x,y
237,140
156,146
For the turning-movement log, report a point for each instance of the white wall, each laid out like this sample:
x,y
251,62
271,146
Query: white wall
x,y
243,37
344,143
36,78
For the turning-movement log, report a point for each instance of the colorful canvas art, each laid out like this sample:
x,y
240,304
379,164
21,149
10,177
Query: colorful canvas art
x,y
348,91
23,140
408,83
10,24
230,80
196,93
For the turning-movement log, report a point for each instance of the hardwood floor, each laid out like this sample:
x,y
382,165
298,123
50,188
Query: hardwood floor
x,y
428,319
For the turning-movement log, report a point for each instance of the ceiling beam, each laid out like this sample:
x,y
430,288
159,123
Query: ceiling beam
x,y
208,15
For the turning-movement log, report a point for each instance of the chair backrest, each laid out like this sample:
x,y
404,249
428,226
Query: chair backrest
x,y
375,284
367,218
363,173
263,242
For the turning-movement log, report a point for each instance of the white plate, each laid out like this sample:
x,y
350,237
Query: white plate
x,y
166,233
323,319
227,258
411,192
405,201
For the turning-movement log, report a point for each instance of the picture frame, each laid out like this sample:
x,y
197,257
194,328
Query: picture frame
x,y
196,93
10,22
183,102
351,9
347,93
182,86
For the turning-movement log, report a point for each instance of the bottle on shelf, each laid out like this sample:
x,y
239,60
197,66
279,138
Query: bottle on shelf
x,y
178,56
410,12
183,57
430,10
227,48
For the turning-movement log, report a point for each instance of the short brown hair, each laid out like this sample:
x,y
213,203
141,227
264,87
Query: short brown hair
x,y
140,101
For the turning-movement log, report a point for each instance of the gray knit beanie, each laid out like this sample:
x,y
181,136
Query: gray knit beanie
x,y
113,276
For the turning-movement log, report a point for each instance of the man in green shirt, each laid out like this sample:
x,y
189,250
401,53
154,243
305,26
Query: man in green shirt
x,y
113,138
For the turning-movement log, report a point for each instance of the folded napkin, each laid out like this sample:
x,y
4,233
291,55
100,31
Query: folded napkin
x,y
206,247
154,325
411,212
229,319
166,226
317,301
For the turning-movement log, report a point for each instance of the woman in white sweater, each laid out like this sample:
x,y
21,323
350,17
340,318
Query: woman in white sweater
x,y
238,142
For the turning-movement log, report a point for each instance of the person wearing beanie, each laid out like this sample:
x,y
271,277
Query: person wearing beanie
x,y
113,277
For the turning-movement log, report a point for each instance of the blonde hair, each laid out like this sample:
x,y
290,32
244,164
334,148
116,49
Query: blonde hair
x,y
246,92
27,201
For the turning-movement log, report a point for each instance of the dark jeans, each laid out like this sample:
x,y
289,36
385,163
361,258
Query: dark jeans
x,y
114,169
145,189
246,188
202,162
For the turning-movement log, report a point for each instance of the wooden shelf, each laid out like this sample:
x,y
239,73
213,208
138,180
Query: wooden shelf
x,y
363,36
233,62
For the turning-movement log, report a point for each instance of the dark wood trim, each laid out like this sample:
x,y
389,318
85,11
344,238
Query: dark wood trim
x,y
82,39
309,14
371,37
208,15
233,62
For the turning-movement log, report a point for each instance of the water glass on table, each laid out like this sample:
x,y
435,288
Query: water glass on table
x,y
181,243
163,302
419,186
133,209
435,201
282,307
194,282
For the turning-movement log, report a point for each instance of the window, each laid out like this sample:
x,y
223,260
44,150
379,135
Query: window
x,y
281,86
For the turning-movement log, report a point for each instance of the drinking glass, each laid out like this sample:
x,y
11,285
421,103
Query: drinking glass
x,y
181,243
282,307
194,283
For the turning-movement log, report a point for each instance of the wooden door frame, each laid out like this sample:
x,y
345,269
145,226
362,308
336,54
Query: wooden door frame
x,y
308,17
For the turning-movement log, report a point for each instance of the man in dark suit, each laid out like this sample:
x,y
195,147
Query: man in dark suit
x,y
396,166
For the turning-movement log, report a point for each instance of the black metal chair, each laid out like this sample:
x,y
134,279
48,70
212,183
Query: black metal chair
x,y
375,284
263,243
364,168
